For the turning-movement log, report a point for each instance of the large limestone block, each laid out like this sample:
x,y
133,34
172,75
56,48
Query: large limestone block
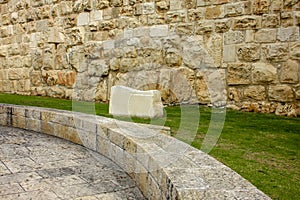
x,y
126,101
264,73
281,93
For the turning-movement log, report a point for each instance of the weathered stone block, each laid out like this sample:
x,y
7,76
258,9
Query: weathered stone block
x,y
83,19
176,16
96,15
271,21
257,93
116,3
281,93
234,9
261,6
286,110
288,34
148,8
163,6
295,51
234,37
246,22
248,52
159,31
235,94
55,36
265,36
196,14
176,4
42,25
201,88
17,74
276,5
214,45
239,74
297,91
290,72
229,53
264,73
222,25
7,86
173,59
186,29
18,121
297,18
125,101
204,27
286,19
214,12
276,52
66,78
3,74
250,36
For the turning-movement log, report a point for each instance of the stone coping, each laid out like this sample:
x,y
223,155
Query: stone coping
x,y
162,166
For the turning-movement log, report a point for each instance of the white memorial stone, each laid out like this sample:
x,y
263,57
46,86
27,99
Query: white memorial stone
x,y
126,101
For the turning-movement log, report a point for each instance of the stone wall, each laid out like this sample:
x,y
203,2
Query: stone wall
x,y
159,170
244,53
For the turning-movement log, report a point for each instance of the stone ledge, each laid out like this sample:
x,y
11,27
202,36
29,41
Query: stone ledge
x,y
162,166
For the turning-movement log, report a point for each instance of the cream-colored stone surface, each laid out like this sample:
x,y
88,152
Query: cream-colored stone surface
x,y
126,101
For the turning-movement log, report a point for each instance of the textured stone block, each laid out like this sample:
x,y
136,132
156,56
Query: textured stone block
x,y
176,16
96,15
286,19
116,3
235,94
18,121
159,31
290,72
204,27
282,93
55,36
246,22
264,73
222,25
234,37
255,93
148,8
275,5
288,34
196,14
83,19
250,36
125,101
295,51
265,36
116,137
261,6
248,52
239,74
276,52
234,9
214,12
270,20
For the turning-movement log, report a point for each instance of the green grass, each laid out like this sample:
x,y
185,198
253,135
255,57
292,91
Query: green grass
x,y
263,148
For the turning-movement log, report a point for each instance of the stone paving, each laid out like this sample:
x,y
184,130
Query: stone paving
x,y
37,166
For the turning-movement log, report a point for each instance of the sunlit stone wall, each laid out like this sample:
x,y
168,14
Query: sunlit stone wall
x,y
241,53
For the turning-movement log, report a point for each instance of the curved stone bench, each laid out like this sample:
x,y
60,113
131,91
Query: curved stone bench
x,y
162,166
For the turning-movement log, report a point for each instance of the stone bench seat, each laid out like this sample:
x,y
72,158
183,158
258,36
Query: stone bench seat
x,y
162,166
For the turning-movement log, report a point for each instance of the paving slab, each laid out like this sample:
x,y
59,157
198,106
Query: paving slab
x,y
38,166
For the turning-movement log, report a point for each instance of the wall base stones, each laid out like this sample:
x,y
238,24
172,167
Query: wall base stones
x,y
221,52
